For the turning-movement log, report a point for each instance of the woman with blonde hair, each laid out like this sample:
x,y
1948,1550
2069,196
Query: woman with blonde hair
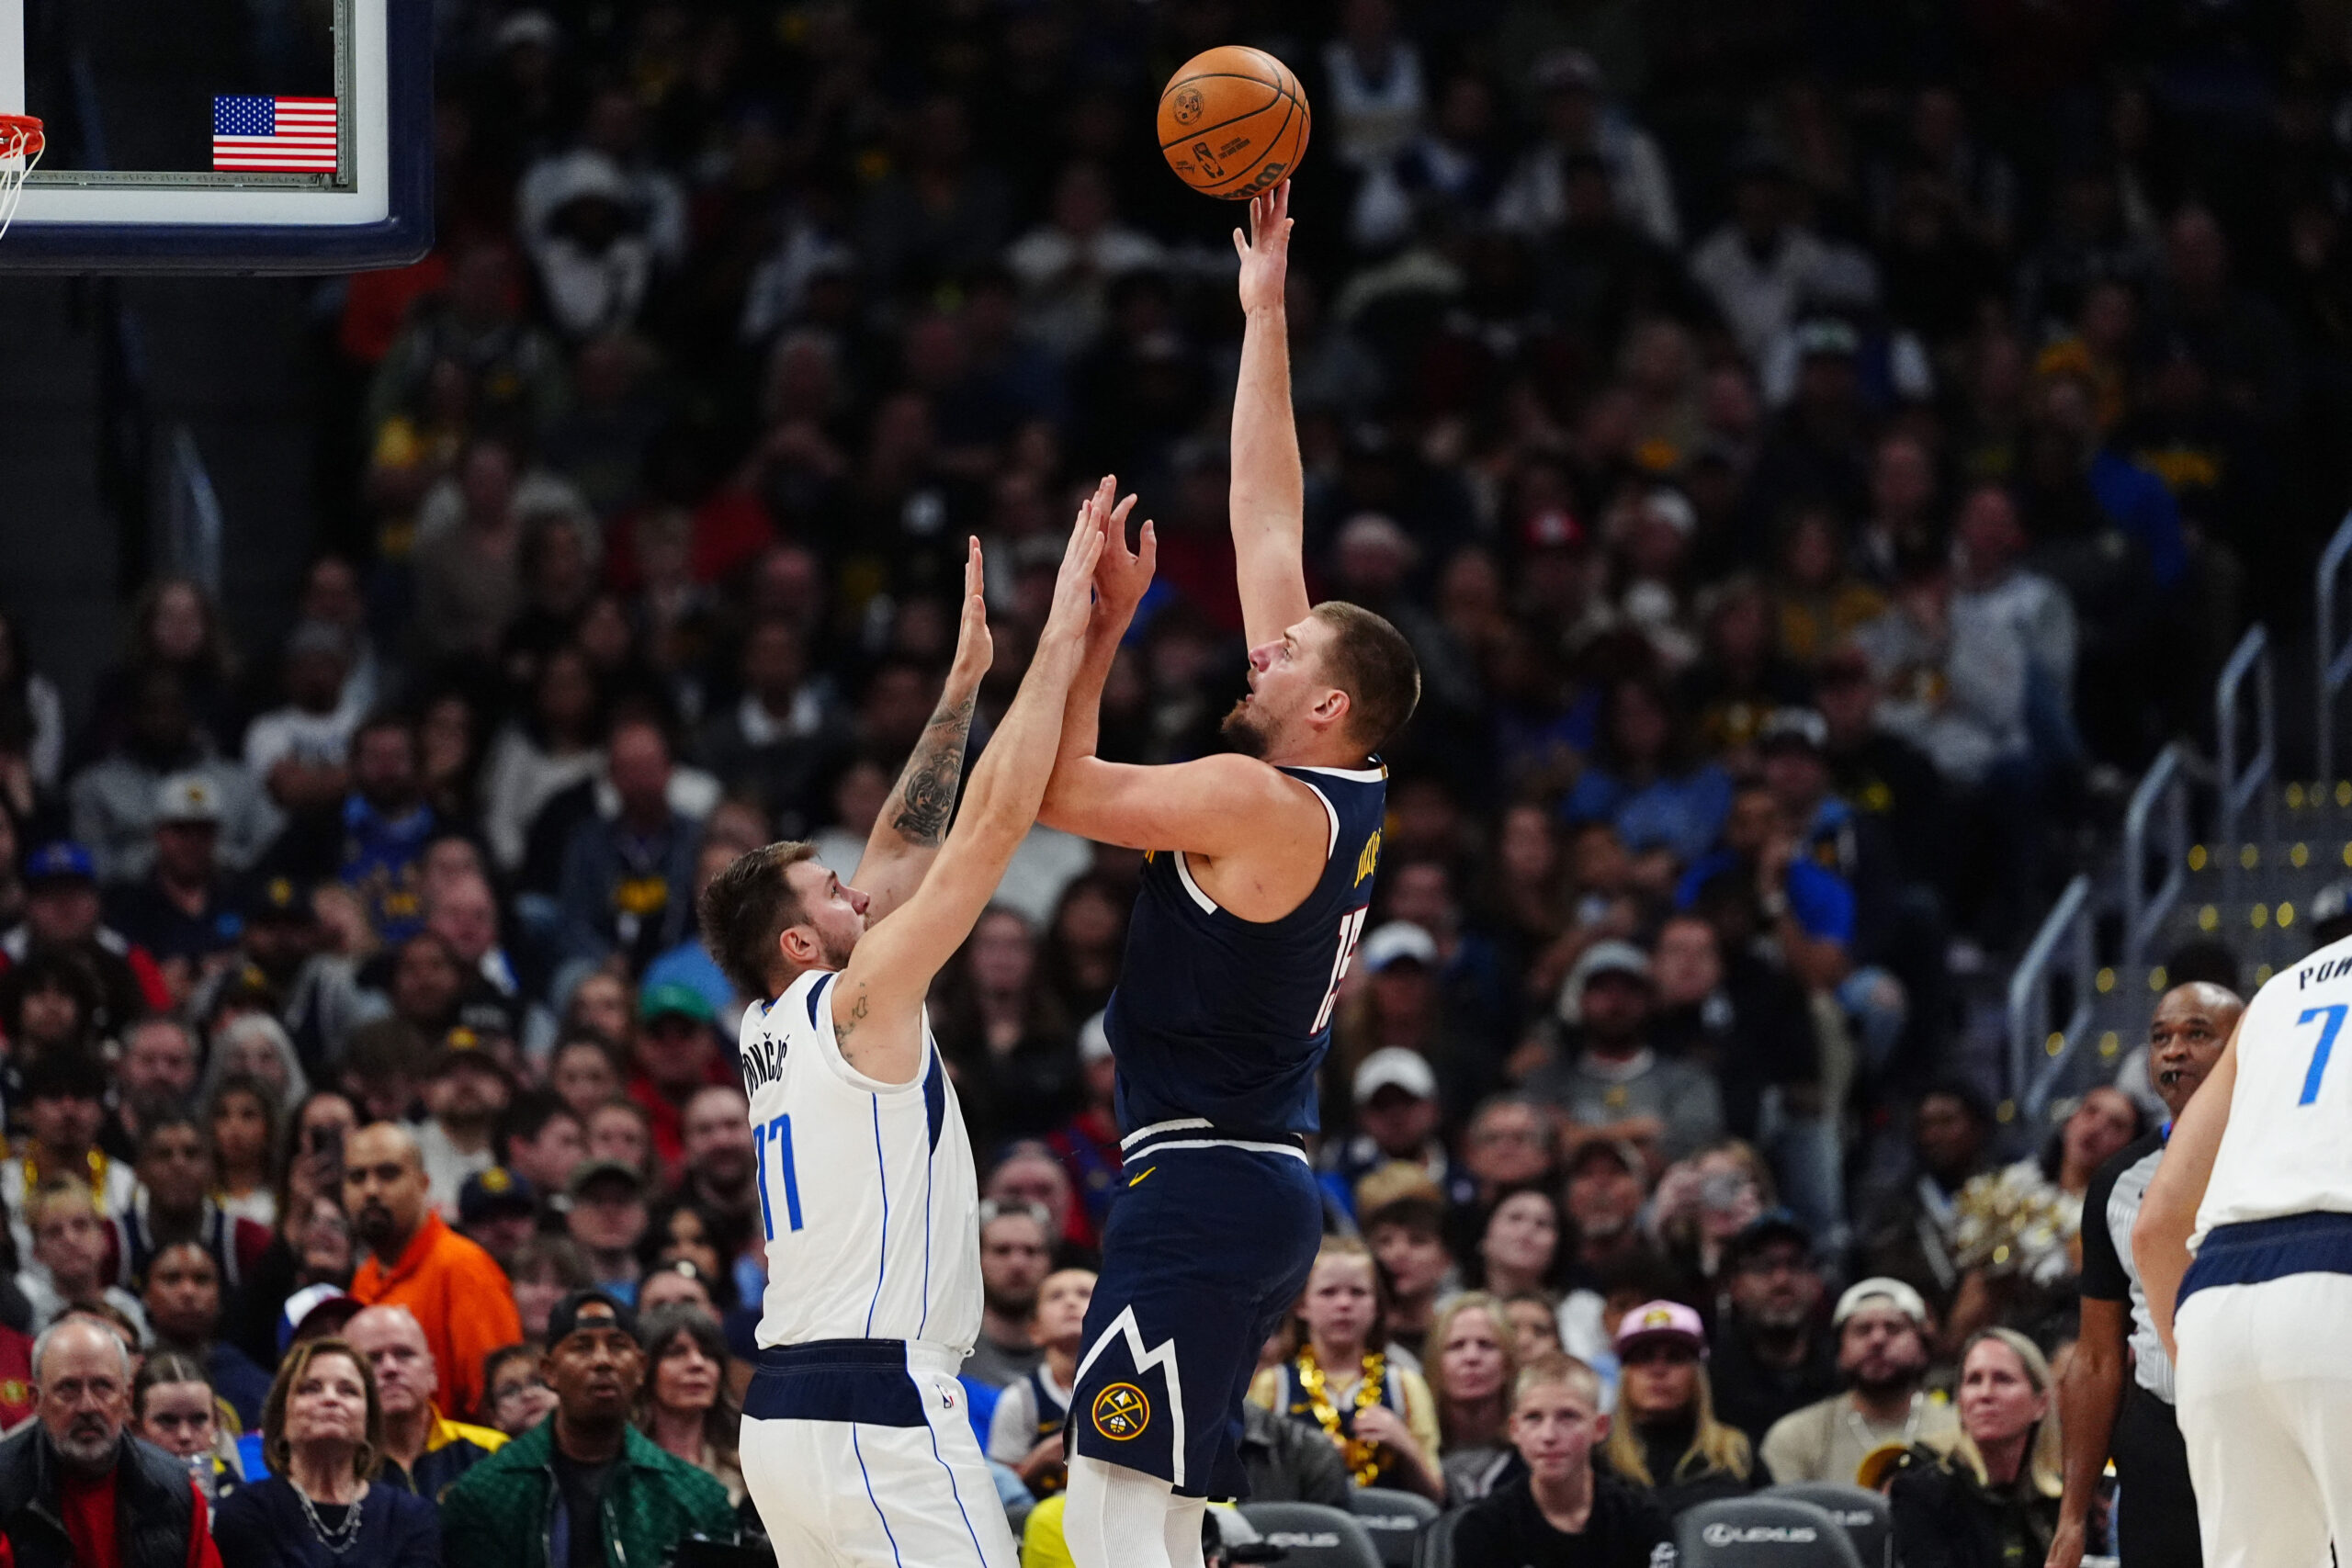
x,y
1471,1364
1994,1500
1666,1437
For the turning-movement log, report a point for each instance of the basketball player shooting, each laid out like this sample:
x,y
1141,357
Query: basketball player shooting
x,y
1257,878
856,1446
2257,1184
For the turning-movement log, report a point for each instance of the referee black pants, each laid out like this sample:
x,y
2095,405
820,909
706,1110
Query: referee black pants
x,y
2156,1526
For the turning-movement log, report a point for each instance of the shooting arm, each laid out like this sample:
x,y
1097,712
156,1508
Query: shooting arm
x,y
2169,1214
1269,496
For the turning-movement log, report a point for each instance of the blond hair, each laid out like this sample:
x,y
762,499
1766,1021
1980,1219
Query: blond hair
x,y
1715,1448
70,1191
1556,1367
2044,1468
1433,1367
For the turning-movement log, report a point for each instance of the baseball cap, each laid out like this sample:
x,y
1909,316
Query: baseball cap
x,y
1793,727
1394,1067
1902,1297
1396,942
599,1169
1093,1042
1661,1320
1618,1149
1773,1224
674,996
187,797
60,860
465,1046
313,1311
564,1320
1554,528
495,1189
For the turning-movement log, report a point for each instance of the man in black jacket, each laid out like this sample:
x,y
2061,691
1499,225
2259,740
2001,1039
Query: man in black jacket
x,y
1563,1513
1772,1351
75,1490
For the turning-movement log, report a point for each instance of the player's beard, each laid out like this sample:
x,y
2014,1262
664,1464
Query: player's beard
x,y
1242,730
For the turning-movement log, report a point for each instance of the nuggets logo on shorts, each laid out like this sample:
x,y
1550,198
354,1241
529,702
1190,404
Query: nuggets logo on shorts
x,y
1121,1412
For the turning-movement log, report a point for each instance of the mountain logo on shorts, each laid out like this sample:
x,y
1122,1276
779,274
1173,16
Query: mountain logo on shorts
x,y
1121,1412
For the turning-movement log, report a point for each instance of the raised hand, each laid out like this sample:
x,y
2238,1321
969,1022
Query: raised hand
x,y
1123,576
974,649
1074,587
1265,252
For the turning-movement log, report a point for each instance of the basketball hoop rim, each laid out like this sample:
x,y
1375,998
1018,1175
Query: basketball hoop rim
x,y
21,136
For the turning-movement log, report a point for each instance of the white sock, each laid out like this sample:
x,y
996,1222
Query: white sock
x,y
1118,1517
1184,1517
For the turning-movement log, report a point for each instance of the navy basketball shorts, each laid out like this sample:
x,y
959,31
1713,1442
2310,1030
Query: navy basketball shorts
x,y
1208,1248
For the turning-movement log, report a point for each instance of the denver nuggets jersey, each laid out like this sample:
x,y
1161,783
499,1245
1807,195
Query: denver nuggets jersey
x,y
1225,1019
868,1202
2285,1150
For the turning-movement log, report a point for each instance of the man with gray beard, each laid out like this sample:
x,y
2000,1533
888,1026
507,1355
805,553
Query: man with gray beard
x,y
1770,1353
78,1491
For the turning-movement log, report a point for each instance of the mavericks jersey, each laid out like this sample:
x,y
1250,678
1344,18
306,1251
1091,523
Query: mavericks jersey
x,y
1223,1019
869,1202
2285,1150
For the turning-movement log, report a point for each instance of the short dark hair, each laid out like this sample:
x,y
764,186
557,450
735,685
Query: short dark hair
x,y
528,1115
746,908
158,1118
1375,665
1416,1214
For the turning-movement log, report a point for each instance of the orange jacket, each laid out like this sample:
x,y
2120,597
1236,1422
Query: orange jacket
x,y
459,1294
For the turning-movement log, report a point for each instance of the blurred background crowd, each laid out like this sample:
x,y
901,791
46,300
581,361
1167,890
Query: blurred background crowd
x,y
1820,451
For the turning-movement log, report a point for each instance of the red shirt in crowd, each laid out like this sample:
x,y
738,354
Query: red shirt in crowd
x,y
87,1508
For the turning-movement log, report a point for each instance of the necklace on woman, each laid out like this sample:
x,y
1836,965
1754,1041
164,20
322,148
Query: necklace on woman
x,y
340,1538
1362,1458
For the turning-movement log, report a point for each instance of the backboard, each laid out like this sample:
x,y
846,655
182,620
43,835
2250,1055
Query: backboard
x,y
220,135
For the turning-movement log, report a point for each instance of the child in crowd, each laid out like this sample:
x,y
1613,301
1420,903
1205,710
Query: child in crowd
x,y
1563,1511
1026,1430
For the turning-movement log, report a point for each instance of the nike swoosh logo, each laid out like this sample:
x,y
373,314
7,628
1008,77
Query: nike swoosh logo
x,y
1147,1171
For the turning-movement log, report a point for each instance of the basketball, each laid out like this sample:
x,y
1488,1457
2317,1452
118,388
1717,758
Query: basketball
x,y
1233,122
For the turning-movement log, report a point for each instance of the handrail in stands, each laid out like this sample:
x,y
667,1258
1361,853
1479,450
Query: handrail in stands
x,y
192,520
2242,787
2165,789
2334,661
2065,937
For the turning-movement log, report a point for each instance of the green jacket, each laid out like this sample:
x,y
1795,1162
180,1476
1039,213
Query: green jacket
x,y
500,1513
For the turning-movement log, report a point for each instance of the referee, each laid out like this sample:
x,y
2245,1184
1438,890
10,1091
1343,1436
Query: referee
x,y
2117,1396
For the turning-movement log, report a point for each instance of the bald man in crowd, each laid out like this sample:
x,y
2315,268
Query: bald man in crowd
x,y
2117,1396
456,1291
424,1451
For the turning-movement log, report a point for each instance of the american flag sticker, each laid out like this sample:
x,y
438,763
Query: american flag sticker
x,y
276,134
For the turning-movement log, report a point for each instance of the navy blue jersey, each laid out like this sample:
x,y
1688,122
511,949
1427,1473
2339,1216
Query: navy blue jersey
x,y
1226,1020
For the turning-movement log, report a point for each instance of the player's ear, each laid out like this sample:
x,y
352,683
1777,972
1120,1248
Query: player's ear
x,y
797,945
1331,709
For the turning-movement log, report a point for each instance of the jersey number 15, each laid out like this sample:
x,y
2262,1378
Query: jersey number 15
x,y
777,1135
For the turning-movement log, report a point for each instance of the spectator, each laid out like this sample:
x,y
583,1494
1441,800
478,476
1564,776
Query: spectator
x,y
584,1070
1611,1085
1577,120
181,1296
1763,261
1701,1203
1088,1144
637,1510
64,1097
1646,779
115,800
75,1487
1005,1033
172,1406
786,735
1472,1364
32,725
300,752
1771,1354
685,1406
1394,1096
1407,1236
498,1212
62,916
1026,1430
180,910
68,1253
374,843
721,1169
1910,1234
1993,1497
547,1268
540,1139
1016,1253
1882,1327
621,1131
420,1450
679,1282
1509,1143
519,1398
241,1117
1344,1378
606,1222
1608,1186
1565,1508
625,888
541,752
158,1067
1666,1437
453,1289
465,1091
322,1435
1522,1248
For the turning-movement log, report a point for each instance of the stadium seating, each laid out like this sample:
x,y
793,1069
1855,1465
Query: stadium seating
x,y
1868,1521
1763,1532
1314,1536
1396,1521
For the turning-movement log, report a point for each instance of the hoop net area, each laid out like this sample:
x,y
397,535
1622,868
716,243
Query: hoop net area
x,y
20,149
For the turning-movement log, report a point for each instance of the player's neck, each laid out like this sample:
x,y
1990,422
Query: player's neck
x,y
1320,751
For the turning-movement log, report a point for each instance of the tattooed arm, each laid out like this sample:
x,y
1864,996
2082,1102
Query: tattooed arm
x,y
912,823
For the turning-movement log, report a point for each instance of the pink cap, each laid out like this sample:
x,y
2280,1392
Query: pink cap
x,y
1661,1320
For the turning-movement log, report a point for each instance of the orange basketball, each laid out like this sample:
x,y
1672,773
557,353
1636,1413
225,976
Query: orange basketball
x,y
1233,122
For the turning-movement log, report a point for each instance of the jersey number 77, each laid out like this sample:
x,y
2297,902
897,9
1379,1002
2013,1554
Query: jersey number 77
x,y
775,1134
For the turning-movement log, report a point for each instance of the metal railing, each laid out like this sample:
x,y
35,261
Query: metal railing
x,y
2244,787
192,523
2334,659
2063,948
2165,790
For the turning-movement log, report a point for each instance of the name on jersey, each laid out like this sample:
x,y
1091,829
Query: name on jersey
x,y
2311,975
762,1063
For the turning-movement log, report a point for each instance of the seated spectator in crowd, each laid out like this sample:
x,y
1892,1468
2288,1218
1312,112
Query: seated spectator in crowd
x,y
1992,1497
1882,1351
1771,1354
63,919
1511,1142
677,1054
158,1068
1608,1186
181,1296
720,1172
540,1139
1471,1363
173,1407
606,1221
1523,1248
1016,1254
461,909
547,1269
685,1405
241,1114
586,1069
1701,1205
1601,1073
1566,1509
1648,781
1535,1319
621,1131
424,1451
464,1092
1005,1033
76,1486
373,840
68,1258
1666,1436
180,910
116,799
679,1282
1344,1379
519,1398
175,1185
455,1291
1407,1236
63,1097
300,752
626,888
633,1499
1025,1432
1909,1236
785,739
1396,1117
498,1212
322,1437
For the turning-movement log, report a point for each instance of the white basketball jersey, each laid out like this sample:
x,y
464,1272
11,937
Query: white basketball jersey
x,y
868,1202
2287,1149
